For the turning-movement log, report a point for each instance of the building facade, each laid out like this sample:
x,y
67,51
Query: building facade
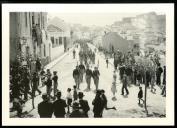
x,y
60,36
28,36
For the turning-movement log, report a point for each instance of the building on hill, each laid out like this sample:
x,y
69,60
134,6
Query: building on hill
x,y
112,42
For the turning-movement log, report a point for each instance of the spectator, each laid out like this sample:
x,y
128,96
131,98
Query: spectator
x,y
98,105
55,83
124,84
76,112
140,95
59,106
75,96
45,108
83,104
69,99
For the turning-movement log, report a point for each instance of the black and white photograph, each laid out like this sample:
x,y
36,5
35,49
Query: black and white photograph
x,y
72,61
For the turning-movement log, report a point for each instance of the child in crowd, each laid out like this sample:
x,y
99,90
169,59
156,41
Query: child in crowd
x,y
69,99
140,95
75,96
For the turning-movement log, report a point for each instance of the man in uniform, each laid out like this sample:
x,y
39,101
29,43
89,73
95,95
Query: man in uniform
x,y
45,108
121,71
96,75
88,77
76,76
107,61
74,53
81,70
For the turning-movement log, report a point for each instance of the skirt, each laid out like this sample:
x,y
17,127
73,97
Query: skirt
x,y
113,88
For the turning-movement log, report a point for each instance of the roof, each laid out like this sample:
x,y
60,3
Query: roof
x,y
59,23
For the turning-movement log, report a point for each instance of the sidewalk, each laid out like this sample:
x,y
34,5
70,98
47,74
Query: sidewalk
x,y
54,62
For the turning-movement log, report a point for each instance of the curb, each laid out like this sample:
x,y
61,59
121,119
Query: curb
x,y
54,62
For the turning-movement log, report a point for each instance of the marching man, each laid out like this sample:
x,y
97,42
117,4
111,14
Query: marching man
x,y
96,75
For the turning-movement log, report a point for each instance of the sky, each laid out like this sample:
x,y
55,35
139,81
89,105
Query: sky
x,y
89,19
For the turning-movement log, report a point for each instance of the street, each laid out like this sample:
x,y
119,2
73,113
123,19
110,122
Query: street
x,y
127,106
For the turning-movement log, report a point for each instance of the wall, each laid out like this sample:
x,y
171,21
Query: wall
x,y
13,35
21,32
56,52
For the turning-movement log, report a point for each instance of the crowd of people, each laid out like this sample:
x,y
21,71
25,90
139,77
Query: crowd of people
x,y
24,83
74,106
86,55
86,58
134,72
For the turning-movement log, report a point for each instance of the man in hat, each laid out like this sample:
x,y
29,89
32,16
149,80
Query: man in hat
x,y
48,84
121,71
96,75
140,95
45,108
76,113
76,76
35,80
83,104
158,74
98,105
124,84
49,73
38,65
107,61
55,83
88,78
42,75
59,106
81,70
164,82
74,53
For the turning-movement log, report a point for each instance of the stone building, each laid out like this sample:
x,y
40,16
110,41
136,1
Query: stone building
x,y
28,36
60,36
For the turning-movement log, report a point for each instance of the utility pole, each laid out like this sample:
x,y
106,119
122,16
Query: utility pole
x,y
145,96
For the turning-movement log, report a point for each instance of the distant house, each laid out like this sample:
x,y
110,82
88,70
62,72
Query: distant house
x,y
112,42
60,35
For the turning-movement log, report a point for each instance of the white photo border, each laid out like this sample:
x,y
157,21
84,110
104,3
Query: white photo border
x,y
168,9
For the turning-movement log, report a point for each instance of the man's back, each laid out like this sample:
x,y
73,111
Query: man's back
x,y
84,105
75,72
59,107
45,109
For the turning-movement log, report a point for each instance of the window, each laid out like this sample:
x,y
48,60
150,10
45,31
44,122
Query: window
x,y
43,21
60,40
26,19
44,51
52,39
56,42
33,19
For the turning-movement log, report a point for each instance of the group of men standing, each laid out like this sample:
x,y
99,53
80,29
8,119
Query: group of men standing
x,y
86,55
79,73
80,108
